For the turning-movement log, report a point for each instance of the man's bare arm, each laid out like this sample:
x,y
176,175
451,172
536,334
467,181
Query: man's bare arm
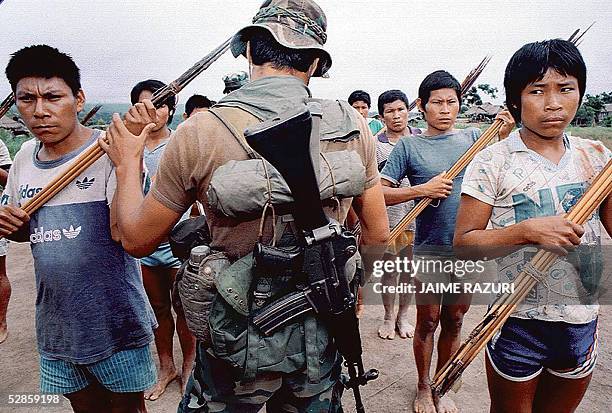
x,y
394,196
372,214
370,208
555,232
142,222
142,225
437,187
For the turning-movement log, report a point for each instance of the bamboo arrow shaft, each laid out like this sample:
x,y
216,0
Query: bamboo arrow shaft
x,y
6,104
500,311
452,173
95,152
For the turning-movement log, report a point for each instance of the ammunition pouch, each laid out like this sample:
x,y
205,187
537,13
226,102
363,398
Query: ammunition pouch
x,y
278,261
321,279
245,187
235,339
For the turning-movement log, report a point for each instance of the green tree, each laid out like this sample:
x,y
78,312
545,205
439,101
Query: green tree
x,y
489,90
589,112
606,97
596,102
472,96
585,116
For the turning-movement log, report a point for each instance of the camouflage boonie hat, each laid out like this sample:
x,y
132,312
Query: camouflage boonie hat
x,y
296,24
235,81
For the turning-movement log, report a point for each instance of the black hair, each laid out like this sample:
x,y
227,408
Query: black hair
x,y
530,63
153,86
265,49
391,96
196,101
440,79
43,61
359,95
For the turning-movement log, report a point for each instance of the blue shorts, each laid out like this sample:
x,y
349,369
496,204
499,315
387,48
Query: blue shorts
x,y
523,348
127,371
162,257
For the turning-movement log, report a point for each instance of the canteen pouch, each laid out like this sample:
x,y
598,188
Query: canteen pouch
x,y
197,292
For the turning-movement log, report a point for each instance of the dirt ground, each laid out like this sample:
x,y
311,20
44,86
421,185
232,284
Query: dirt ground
x,y
392,392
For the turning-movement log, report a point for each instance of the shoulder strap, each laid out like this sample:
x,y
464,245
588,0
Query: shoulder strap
x,y
236,133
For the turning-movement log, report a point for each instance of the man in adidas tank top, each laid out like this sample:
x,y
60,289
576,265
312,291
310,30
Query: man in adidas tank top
x,y
94,323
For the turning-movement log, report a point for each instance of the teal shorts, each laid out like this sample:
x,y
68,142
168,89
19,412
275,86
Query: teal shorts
x,y
162,257
127,371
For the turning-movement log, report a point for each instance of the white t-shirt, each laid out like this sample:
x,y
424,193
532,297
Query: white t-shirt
x,y
90,299
521,184
5,157
384,147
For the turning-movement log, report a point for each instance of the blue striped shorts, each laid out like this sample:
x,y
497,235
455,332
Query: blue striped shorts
x,y
522,349
127,371
161,257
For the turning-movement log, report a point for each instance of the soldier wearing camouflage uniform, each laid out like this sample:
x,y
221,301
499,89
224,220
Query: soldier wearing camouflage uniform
x,y
297,368
235,81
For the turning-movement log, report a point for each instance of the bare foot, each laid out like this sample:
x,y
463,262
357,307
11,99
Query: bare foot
x,y
165,378
423,401
445,405
3,333
387,330
403,327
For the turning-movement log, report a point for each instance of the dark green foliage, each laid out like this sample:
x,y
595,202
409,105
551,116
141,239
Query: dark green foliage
x,y
472,96
590,112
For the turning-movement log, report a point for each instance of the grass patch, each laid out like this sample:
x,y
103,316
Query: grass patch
x,y
13,143
598,133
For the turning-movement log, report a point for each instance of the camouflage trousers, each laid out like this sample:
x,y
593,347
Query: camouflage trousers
x,y
211,388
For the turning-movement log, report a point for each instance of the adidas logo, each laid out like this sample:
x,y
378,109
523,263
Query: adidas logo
x,y
41,235
72,232
84,184
26,192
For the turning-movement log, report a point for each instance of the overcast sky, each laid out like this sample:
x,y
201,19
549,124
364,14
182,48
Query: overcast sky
x,y
375,45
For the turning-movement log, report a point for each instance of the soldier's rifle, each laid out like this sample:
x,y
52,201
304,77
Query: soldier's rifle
x,y
317,265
